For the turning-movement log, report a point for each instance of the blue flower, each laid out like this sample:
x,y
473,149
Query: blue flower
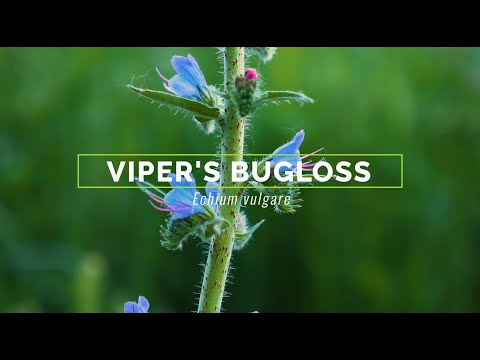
x,y
290,152
189,81
136,308
180,200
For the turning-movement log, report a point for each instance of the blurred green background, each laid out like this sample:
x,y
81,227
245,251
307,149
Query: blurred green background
x,y
65,249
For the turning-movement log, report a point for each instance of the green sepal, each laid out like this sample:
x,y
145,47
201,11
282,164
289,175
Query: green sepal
x,y
176,231
200,111
293,192
279,96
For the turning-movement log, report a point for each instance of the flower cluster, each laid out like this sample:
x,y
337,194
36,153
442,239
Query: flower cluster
x,y
245,87
187,217
289,153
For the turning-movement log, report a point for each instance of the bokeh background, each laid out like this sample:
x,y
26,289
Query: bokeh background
x,y
64,249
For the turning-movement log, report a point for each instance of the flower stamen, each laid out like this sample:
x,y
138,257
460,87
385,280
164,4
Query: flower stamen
x,y
168,89
155,198
160,74
316,151
159,208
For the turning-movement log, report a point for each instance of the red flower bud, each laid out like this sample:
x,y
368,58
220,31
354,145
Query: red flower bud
x,y
251,74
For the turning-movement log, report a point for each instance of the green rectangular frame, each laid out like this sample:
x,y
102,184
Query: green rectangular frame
x,y
238,187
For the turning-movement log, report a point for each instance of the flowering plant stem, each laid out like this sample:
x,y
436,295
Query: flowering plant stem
x,y
232,128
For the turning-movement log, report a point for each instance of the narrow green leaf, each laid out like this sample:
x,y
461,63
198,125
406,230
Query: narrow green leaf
x,y
277,96
215,227
263,53
206,125
243,232
152,191
201,111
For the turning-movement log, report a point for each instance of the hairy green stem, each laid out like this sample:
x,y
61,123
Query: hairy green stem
x,y
220,252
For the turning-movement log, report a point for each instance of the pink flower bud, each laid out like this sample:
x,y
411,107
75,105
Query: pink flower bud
x,y
251,74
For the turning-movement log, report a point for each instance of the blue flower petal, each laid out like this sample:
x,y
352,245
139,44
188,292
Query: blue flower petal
x,y
212,191
188,67
292,147
197,72
183,181
143,304
131,307
183,66
180,200
182,86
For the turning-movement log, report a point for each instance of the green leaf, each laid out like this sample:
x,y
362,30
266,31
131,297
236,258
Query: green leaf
x,y
278,96
206,125
263,53
215,227
155,192
201,111
243,231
